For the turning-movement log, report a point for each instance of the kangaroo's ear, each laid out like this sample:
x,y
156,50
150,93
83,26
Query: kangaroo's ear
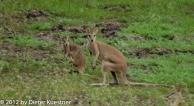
x,y
86,30
65,39
68,39
95,31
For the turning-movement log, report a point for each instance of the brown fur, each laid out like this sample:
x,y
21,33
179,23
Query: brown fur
x,y
112,60
76,56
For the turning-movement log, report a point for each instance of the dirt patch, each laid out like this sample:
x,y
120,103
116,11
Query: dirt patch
x,y
149,68
136,37
38,53
10,49
10,24
18,18
73,29
169,37
144,52
76,29
14,51
109,29
119,8
184,51
189,38
36,15
58,28
47,36
179,38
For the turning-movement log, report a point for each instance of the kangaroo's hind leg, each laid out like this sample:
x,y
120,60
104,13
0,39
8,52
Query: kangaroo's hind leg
x,y
106,67
114,77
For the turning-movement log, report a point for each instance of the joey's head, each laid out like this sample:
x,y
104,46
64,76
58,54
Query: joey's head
x,y
66,41
66,44
91,35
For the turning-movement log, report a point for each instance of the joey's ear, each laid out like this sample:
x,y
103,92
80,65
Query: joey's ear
x,y
95,31
67,38
86,30
70,39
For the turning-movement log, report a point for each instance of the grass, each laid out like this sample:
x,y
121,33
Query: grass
x,y
41,26
167,65
39,70
29,41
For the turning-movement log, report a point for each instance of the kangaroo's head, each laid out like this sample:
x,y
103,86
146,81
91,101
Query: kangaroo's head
x,y
91,35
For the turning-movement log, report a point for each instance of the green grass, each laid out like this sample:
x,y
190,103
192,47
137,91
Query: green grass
x,y
165,70
30,41
41,26
26,75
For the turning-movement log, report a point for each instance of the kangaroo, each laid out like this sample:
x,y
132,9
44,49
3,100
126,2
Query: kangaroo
x,y
112,60
75,55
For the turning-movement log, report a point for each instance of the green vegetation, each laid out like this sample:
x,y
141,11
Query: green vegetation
x,y
29,41
33,66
